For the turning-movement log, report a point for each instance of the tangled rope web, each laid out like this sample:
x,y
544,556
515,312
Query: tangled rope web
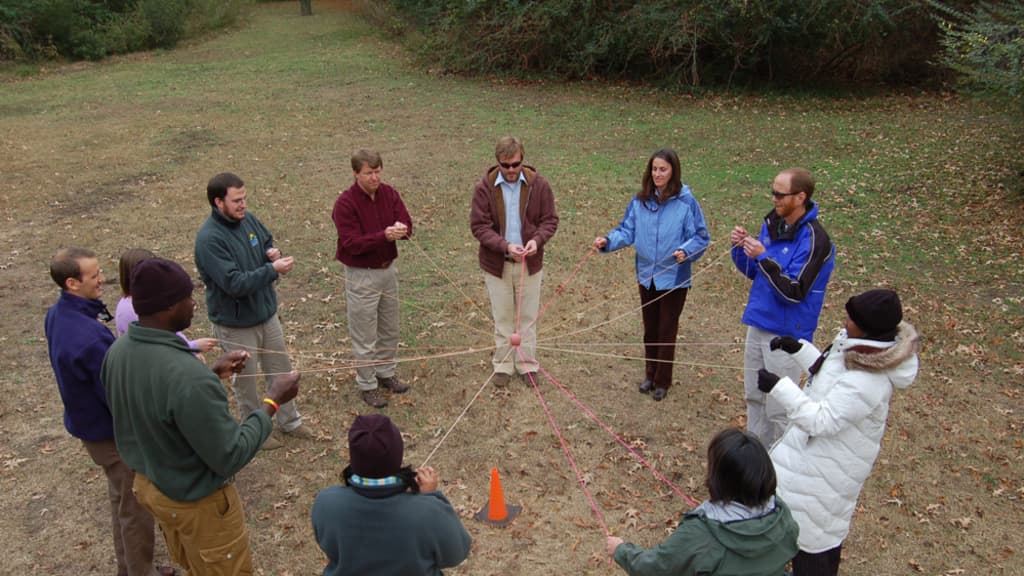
x,y
336,363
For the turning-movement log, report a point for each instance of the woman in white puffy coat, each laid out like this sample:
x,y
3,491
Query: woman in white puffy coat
x,y
837,421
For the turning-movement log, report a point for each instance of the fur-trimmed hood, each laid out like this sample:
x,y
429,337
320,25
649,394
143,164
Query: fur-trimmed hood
x,y
894,358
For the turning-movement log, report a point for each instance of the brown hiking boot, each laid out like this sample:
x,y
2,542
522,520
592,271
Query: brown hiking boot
x,y
374,398
393,384
500,379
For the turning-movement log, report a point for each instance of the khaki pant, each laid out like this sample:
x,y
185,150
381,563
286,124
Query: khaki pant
x,y
515,301
207,537
133,525
371,300
265,342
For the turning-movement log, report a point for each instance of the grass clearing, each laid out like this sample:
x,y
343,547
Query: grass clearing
x,y
919,193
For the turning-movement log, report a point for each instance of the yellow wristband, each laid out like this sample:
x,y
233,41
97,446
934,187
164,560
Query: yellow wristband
x,y
272,403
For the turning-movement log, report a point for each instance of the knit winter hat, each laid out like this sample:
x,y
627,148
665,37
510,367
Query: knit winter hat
x,y
877,312
157,284
375,446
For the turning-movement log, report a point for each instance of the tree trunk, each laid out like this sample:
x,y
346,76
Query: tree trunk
x,y
307,7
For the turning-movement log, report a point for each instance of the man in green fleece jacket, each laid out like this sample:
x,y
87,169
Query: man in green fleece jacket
x,y
173,425
238,262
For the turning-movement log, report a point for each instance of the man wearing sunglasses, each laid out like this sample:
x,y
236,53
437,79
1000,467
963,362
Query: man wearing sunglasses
x,y
513,216
790,262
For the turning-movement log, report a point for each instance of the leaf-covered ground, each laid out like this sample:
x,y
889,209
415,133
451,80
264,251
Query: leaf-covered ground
x,y
921,193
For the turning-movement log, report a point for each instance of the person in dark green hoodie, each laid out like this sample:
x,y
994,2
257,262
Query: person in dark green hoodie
x,y
743,529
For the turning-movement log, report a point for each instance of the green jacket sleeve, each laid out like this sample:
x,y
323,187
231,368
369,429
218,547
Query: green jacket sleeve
x,y
686,552
204,419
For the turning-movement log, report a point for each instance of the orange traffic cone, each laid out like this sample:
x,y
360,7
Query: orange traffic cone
x,y
495,512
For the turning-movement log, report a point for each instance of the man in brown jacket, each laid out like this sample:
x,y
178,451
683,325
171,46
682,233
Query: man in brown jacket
x,y
513,216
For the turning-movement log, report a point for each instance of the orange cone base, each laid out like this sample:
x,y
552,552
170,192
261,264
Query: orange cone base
x,y
483,515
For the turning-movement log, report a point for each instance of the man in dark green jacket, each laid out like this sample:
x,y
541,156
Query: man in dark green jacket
x,y
238,262
173,425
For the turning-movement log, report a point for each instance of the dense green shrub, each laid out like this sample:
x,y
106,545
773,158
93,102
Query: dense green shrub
x,y
92,29
166,20
693,42
986,46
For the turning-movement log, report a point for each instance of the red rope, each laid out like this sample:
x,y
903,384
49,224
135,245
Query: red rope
x,y
561,287
568,453
693,503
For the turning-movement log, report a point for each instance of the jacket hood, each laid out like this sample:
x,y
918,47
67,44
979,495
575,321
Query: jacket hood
x,y
752,538
897,359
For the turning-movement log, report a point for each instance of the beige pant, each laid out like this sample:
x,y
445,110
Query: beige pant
x,y
133,525
265,342
371,299
207,537
514,304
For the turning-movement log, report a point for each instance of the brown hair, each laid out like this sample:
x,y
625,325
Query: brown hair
x,y
129,258
800,180
674,182
64,264
368,157
218,186
507,147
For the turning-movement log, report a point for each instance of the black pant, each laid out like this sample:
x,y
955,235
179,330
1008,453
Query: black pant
x,y
821,564
661,310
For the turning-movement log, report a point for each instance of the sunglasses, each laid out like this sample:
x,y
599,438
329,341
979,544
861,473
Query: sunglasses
x,y
510,165
781,195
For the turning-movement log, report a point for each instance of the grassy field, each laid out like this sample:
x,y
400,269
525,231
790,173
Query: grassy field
x,y
922,193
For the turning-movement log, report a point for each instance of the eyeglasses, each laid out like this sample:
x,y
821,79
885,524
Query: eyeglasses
x,y
781,195
510,165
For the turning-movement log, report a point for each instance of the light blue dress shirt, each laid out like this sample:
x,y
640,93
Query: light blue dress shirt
x,y
510,192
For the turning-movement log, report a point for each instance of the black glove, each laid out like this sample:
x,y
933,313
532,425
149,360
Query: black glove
x,y
766,380
788,344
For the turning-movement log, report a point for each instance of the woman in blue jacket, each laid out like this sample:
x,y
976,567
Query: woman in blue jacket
x,y
665,225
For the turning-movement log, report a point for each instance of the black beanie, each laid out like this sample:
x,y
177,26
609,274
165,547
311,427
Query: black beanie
x,y
375,446
157,284
876,312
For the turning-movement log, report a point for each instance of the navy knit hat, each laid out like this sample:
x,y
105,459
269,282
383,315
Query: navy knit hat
x,y
876,312
157,284
375,446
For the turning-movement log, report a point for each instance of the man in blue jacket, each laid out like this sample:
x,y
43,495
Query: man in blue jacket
x,y
790,262
77,341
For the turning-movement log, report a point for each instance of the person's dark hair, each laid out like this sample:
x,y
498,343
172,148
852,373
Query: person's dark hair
x,y
64,264
800,181
739,469
674,182
129,259
368,157
218,186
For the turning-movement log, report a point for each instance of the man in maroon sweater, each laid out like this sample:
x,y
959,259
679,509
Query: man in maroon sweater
x,y
371,218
